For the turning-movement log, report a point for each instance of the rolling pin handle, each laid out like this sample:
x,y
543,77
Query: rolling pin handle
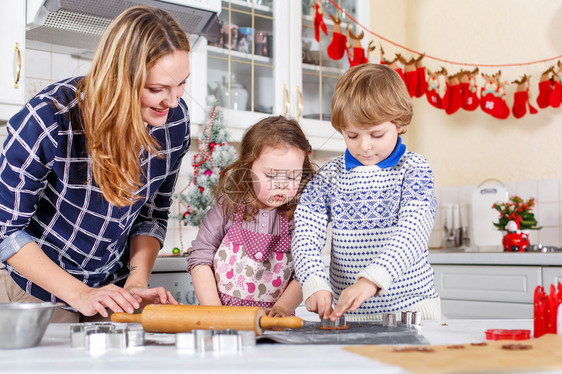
x,y
126,317
267,322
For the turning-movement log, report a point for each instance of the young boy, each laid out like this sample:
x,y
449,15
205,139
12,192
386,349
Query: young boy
x,y
380,201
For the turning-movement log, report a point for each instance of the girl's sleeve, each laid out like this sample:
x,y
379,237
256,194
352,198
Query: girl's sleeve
x,y
407,245
309,237
153,217
25,163
209,237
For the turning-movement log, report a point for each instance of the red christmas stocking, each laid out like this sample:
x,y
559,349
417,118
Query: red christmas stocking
x,y
422,83
336,49
318,22
432,92
521,98
453,101
556,94
470,100
487,101
411,77
545,89
358,57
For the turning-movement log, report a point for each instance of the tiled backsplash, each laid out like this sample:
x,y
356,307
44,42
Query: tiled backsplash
x,y
548,196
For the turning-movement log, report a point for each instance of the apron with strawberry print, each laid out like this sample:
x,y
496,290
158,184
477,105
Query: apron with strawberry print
x,y
253,268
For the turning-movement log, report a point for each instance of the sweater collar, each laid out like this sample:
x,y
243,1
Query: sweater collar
x,y
390,161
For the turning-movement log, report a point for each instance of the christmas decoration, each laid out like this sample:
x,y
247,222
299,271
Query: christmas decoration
x,y
337,46
319,21
516,210
213,155
449,93
514,240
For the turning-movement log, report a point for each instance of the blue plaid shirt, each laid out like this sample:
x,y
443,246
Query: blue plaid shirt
x,y
47,192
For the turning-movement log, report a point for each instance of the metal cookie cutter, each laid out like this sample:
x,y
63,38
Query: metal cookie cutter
x,y
389,320
328,324
221,341
410,318
102,336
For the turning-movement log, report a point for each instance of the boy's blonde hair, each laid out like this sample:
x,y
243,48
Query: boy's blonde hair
x,y
370,94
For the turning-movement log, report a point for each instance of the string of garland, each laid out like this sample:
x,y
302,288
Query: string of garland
x,y
465,89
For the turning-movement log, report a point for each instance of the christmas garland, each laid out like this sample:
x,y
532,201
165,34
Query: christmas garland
x,y
448,92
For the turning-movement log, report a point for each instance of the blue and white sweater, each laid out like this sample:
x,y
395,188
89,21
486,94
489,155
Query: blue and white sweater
x,y
381,221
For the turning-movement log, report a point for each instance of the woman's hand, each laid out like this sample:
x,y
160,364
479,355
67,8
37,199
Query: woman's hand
x,y
95,300
353,296
320,302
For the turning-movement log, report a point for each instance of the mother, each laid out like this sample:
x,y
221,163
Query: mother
x,y
87,173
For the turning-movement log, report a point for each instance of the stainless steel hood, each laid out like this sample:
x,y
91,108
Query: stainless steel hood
x,y
74,26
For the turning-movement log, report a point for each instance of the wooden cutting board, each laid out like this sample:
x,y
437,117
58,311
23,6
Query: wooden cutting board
x,y
545,354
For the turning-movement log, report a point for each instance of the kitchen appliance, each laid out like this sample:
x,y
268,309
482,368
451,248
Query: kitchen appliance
x,y
485,237
74,26
185,318
170,272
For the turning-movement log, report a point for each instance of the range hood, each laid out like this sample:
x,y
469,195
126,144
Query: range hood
x,y
75,26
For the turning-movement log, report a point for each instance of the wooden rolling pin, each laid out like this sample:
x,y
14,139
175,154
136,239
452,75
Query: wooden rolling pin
x,y
184,318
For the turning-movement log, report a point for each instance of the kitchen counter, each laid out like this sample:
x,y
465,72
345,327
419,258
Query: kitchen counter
x,y
55,355
495,258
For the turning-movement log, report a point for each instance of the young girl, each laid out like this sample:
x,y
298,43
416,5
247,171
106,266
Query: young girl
x,y
241,255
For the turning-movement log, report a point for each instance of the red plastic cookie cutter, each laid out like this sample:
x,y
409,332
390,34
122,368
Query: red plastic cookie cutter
x,y
501,334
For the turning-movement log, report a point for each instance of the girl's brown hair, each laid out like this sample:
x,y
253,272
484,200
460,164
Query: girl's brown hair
x,y
370,94
109,97
235,182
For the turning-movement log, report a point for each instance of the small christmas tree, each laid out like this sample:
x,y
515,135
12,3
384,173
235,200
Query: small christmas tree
x,y
214,154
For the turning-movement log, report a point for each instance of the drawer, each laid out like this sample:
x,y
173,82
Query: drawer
x,y
551,275
462,309
487,283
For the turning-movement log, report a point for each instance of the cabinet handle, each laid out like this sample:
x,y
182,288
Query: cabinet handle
x,y
287,102
18,65
299,95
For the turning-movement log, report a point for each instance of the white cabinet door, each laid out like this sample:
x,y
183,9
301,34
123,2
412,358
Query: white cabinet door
x,y
12,47
515,284
551,275
463,309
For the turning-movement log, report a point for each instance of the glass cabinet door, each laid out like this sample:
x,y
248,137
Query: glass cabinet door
x,y
320,72
240,69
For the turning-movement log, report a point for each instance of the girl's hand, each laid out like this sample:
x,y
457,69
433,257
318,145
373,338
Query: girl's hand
x,y
320,302
277,311
353,296
156,295
95,300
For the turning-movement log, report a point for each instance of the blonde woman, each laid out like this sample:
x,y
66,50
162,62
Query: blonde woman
x,y
87,173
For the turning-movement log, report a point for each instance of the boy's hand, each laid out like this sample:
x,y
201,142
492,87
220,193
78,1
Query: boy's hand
x,y
353,296
320,302
277,311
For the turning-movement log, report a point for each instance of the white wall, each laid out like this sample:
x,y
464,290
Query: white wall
x,y
468,147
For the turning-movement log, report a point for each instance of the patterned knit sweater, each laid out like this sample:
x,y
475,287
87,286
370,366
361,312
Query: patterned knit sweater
x,y
381,220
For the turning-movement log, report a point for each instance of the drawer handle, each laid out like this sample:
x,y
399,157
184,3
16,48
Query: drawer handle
x,y
18,66
287,103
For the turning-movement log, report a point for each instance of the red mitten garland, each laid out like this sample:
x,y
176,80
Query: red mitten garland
x,y
337,48
319,21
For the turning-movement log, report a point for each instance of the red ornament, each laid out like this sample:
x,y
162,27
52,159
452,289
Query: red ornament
x,y
201,189
212,145
208,172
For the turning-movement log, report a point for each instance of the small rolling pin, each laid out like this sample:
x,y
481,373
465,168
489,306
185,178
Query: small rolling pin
x,y
184,318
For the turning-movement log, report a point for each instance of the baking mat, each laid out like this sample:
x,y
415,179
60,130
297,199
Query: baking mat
x,y
358,333
545,354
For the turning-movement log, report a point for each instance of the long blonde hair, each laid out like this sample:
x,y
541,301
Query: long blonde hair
x,y
109,97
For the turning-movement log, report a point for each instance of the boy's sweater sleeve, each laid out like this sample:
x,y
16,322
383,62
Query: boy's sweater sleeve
x,y
309,236
408,243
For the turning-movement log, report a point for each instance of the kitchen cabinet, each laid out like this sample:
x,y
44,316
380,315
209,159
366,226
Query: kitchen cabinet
x,y
551,275
263,73
12,47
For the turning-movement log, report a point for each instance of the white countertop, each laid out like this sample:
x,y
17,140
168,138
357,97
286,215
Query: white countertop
x,y
55,355
495,258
